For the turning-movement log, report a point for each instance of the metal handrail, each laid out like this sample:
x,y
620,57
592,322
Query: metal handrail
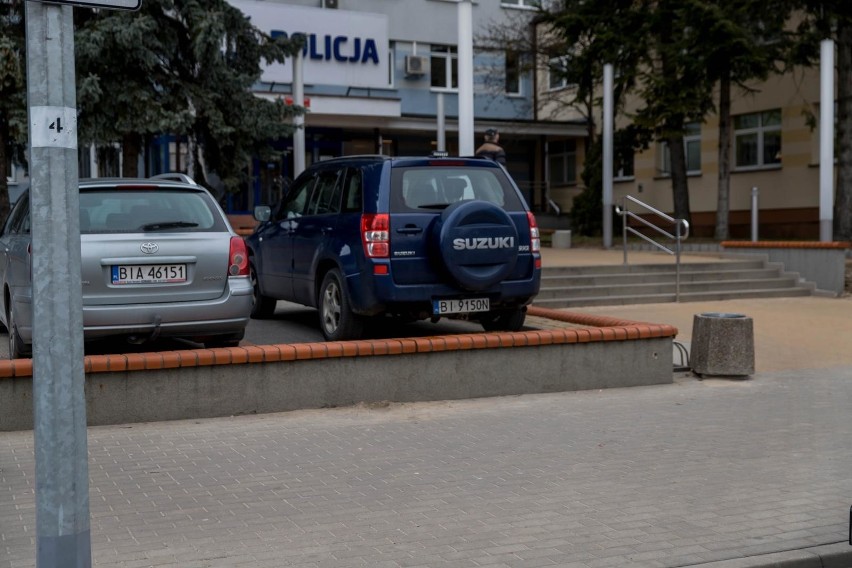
x,y
678,237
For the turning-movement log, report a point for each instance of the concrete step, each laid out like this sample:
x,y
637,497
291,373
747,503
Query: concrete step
x,y
574,286
668,287
710,266
550,280
670,297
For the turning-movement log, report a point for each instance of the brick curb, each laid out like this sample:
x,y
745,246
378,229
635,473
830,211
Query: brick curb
x,y
599,328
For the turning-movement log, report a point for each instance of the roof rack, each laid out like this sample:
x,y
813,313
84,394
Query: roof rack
x,y
175,176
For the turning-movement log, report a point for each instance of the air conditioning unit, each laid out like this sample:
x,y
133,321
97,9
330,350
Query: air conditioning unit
x,y
416,64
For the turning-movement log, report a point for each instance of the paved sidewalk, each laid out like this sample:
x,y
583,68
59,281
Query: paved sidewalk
x,y
680,475
712,473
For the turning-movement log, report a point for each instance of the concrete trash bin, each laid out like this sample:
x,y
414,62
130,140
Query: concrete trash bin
x,y
561,239
722,344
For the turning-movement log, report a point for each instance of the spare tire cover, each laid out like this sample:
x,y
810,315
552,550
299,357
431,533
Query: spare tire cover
x,y
478,243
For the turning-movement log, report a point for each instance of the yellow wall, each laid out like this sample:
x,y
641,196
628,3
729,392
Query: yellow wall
x,y
793,185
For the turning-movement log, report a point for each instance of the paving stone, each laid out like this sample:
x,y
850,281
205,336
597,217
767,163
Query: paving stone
x,y
694,472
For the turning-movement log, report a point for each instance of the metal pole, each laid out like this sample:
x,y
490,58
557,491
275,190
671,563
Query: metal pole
x,y
63,534
299,119
465,53
607,155
624,227
754,210
677,260
826,140
442,124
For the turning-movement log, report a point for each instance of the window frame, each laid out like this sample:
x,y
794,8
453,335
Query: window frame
x,y
519,4
760,131
618,174
568,155
563,81
450,55
508,55
665,159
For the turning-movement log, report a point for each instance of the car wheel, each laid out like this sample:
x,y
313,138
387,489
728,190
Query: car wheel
x,y
17,348
262,307
504,320
337,321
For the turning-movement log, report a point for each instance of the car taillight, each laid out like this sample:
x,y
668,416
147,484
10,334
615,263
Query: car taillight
x,y
535,238
238,258
375,234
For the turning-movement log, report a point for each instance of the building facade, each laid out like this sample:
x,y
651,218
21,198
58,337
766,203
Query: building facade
x,y
381,76
774,155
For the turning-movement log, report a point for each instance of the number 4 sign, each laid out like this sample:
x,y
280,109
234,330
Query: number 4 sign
x,y
53,127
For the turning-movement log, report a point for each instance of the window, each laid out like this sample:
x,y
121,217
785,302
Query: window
x,y
757,139
10,170
352,196
18,221
297,199
556,76
622,166
326,196
445,67
519,3
513,73
562,162
692,147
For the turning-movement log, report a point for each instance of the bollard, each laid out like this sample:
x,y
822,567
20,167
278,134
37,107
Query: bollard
x,y
722,344
561,239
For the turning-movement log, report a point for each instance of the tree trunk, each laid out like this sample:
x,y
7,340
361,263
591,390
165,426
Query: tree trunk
x,y
131,145
843,196
4,172
723,202
680,186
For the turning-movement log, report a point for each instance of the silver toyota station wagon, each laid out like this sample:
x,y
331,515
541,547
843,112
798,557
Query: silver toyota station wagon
x,y
159,259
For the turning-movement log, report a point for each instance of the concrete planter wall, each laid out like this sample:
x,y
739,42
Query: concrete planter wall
x,y
823,263
207,383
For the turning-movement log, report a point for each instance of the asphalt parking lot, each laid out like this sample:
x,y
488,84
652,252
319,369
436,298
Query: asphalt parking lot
x,y
292,323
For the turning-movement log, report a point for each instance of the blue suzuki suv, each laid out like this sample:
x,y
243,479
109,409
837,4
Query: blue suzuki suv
x,y
365,237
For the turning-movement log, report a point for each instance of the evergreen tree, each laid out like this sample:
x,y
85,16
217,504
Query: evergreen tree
x,y
744,40
832,19
183,67
578,38
13,96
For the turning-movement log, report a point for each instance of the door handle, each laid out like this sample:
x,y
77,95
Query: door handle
x,y
410,230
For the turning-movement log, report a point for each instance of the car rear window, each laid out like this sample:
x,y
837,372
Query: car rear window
x,y
111,210
423,188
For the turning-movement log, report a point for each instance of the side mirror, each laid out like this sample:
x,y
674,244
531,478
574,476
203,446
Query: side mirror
x,y
262,213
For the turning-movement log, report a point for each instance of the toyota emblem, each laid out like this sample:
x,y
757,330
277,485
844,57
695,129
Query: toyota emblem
x,y
149,248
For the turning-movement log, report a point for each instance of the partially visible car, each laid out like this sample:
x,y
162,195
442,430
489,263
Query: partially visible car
x,y
159,259
366,237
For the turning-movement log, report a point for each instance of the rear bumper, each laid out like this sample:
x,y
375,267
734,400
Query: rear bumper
x,y
372,294
229,313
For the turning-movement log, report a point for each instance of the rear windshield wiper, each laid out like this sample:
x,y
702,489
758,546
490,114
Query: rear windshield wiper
x,y
167,225
433,206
